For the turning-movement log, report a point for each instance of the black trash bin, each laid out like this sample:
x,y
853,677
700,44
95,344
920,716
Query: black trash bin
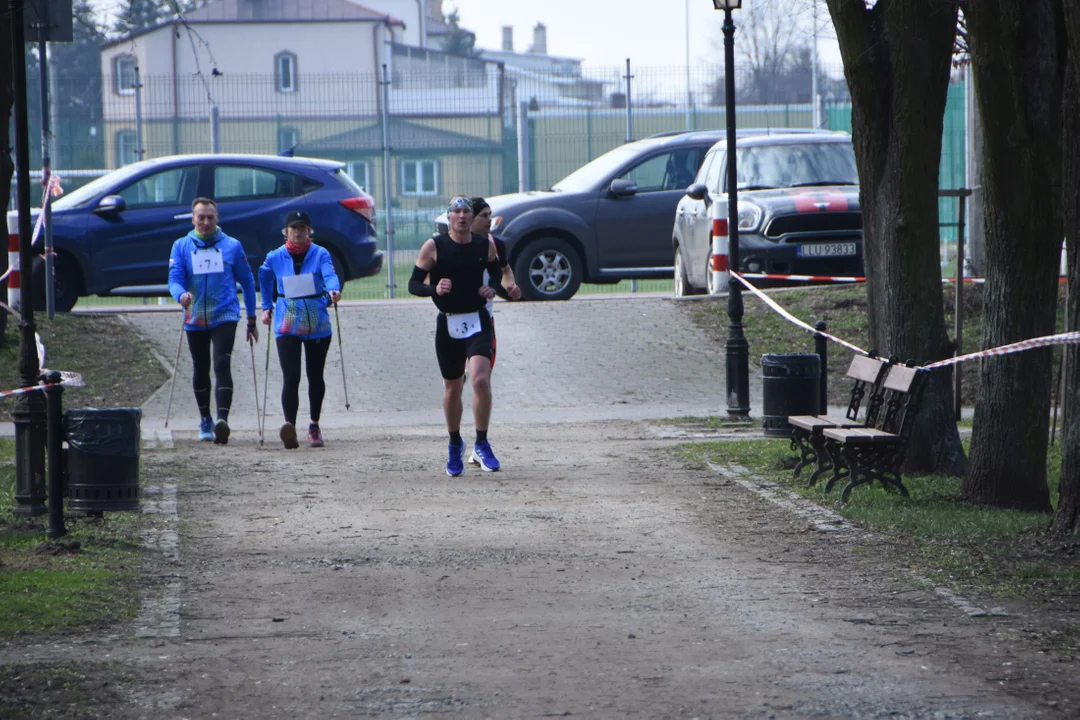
x,y
103,458
790,386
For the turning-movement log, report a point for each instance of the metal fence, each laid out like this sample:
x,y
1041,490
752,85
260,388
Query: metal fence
x,y
478,133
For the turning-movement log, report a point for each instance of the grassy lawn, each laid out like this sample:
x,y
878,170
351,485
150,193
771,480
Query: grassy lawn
x,y
1006,553
82,580
119,372
78,582
952,542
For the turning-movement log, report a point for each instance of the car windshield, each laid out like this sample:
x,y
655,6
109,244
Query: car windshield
x,y
592,174
83,195
796,165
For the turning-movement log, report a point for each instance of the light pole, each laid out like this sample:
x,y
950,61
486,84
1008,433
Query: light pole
x,y
738,352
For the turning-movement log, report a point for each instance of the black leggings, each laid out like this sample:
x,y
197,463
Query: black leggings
x,y
315,352
221,338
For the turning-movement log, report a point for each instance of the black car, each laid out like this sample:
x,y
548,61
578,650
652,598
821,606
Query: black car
x,y
607,221
799,210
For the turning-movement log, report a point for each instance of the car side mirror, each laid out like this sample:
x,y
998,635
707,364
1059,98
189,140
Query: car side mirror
x,y
697,191
621,187
111,204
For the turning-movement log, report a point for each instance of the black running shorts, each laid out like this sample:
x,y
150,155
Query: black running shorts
x,y
453,353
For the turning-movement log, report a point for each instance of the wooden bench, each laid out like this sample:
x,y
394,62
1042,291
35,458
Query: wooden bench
x,y
865,454
867,374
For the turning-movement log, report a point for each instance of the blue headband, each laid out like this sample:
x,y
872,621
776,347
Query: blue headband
x,y
459,202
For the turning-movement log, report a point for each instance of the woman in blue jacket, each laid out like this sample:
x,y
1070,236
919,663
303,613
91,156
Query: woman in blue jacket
x,y
204,269
302,276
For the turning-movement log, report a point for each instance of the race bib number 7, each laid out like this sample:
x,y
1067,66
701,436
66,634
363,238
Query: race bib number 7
x,y
206,262
463,326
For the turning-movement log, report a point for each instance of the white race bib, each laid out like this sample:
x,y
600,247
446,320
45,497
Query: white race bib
x,y
206,261
463,326
298,286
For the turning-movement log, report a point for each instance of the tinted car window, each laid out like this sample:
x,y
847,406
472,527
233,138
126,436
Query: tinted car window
x,y
703,173
345,179
587,176
175,186
794,165
670,171
235,182
82,195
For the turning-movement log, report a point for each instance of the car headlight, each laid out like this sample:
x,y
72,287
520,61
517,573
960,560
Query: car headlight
x,y
749,216
496,222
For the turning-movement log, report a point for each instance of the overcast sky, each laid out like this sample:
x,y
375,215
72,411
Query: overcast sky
x,y
606,32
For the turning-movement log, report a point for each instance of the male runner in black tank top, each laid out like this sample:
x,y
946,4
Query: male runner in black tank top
x,y
455,262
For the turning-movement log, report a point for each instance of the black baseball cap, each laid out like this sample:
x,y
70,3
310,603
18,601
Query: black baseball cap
x,y
295,217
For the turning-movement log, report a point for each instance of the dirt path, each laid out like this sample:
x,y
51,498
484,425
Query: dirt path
x,y
599,575
596,576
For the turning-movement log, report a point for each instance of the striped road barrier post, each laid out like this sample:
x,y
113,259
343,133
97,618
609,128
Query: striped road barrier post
x,y
719,259
14,274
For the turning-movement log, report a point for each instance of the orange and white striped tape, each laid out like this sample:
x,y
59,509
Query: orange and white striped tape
x,y
1069,338
791,318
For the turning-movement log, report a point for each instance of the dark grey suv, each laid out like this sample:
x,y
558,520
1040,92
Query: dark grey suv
x,y
607,221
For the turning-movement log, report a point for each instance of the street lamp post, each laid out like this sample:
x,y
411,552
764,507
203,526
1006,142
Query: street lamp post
x,y
738,352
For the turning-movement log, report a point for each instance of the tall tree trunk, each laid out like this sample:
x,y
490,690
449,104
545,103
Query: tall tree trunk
x,y
896,61
1018,56
1067,519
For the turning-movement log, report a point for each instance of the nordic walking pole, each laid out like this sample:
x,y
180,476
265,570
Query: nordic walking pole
x,y
176,366
266,382
255,379
341,352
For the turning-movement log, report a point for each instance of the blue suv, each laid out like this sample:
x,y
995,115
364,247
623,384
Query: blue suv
x,y
113,235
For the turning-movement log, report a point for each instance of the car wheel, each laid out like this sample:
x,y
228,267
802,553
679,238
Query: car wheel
x,y
710,285
548,269
682,286
67,283
339,267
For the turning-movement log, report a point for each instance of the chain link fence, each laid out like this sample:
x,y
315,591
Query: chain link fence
x,y
467,126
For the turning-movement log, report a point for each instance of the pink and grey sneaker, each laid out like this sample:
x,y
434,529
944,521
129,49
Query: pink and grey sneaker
x,y
314,436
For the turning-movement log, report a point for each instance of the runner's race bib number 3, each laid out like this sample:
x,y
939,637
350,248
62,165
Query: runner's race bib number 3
x,y
206,262
298,286
463,326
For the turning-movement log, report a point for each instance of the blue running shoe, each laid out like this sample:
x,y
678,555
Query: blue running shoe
x,y
483,456
206,429
455,463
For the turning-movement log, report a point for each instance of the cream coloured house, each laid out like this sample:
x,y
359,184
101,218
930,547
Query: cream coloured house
x,y
246,61
268,76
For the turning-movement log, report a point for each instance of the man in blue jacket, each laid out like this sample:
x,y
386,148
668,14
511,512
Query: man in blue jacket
x,y
204,269
301,275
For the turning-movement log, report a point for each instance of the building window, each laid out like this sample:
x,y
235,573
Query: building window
x,y
287,139
285,72
419,177
125,75
360,172
127,150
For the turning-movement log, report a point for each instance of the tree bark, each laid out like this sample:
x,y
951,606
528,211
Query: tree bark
x,y
896,60
1018,55
1067,518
